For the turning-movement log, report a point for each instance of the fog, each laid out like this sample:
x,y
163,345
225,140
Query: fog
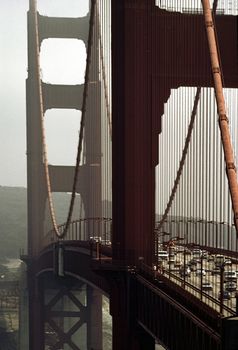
x,y
13,72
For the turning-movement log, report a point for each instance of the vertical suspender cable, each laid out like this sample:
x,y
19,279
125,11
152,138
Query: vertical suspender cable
x,y
207,168
223,120
182,161
200,174
103,68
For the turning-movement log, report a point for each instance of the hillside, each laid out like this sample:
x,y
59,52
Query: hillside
x,y
13,218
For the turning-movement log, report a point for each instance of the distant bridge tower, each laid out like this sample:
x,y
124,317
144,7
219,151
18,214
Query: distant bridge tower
x,y
89,182
60,96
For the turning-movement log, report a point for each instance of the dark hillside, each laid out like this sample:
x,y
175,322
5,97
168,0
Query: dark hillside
x,y
12,221
13,218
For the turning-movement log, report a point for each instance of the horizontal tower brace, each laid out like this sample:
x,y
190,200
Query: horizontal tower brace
x,y
60,27
62,96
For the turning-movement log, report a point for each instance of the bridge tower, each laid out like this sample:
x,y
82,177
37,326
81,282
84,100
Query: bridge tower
x,y
89,182
133,166
148,46
60,96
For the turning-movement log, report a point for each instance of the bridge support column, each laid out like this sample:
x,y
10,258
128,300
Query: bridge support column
x,y
36,319
23,311
94,332
230,333
146,341
134,338
133,169
126,332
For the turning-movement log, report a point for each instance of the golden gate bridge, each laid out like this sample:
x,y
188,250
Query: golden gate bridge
x,y
156,227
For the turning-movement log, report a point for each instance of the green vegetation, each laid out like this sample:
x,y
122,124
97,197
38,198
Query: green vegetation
x,y
13,219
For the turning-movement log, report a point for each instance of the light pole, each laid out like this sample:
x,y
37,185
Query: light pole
x,y
236,296
185,238
159,234
197,240
201,259
222,268
171,243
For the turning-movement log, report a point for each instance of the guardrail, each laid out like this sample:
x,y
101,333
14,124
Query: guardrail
x,y
98,231
82,230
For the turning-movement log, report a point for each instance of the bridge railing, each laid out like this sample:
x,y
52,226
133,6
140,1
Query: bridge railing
x,y
99,230
215,236
161,276
86,229
201,257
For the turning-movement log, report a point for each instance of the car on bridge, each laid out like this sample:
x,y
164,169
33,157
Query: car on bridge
x,y
200,272
177,263
175,270
230,276
219,260
95,239
216,271
187,252
163,255
179,250
193,268
227,262
194,261
185,271
207,286
230,286
226,295
210,258
99,239
204,255
171,260
197,253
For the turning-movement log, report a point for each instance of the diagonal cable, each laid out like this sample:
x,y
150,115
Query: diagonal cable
x,y
182,160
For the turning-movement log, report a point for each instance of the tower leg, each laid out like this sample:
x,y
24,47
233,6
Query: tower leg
x,y
126,333
133,338
229,333
36,320
23,311
94,330
146,341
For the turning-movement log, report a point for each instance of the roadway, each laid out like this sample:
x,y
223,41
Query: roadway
x,y
194,281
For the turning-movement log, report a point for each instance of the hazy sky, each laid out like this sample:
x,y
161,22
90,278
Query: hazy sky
x,y
62,125
62,61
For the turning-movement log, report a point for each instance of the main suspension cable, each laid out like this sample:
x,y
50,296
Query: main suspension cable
x,y
223,119
83,111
